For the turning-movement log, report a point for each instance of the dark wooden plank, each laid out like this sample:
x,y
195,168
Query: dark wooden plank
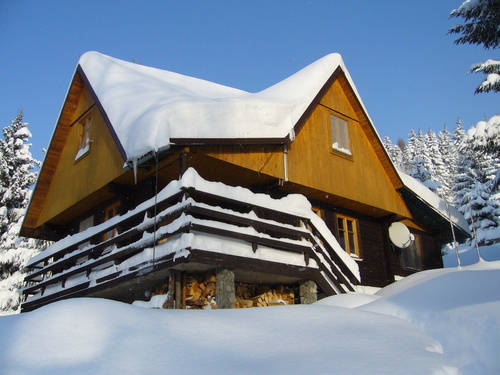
x,y
252,239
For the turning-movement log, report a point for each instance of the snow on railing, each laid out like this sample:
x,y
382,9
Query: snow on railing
x,y
187,224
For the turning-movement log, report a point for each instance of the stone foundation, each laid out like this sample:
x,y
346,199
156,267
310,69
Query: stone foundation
x,y
308,292
225,289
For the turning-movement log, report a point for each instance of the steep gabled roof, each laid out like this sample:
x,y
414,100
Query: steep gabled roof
x,y
149,109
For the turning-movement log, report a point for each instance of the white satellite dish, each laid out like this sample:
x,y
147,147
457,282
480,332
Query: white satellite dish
x,y
400,235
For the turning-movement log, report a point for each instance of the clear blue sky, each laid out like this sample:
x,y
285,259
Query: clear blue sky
x,y
407,70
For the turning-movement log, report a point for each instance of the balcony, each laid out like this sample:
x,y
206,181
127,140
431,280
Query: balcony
x,y
194,225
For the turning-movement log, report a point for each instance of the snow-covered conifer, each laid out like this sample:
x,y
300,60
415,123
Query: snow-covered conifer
x,y
395,153
16,176
420,152
481,27
448,159
475,195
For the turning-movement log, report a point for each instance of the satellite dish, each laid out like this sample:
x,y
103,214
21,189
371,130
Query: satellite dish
x,y
400,235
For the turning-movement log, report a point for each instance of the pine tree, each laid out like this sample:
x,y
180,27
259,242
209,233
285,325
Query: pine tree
x,y
481,27
395,153
474,193
411,150
449,158
16,176
420,155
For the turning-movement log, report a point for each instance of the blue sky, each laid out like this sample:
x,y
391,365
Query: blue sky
x,y
408,72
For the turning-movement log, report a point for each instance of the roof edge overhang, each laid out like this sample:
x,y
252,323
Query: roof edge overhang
x,y
434,208
52,156
105,116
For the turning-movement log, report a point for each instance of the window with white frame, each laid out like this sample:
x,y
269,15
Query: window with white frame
x,y
340,135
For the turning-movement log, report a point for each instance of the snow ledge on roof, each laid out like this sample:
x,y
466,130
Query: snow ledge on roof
x,y
433,200
147,106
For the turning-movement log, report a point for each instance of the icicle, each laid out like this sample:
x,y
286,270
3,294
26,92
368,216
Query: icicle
x,y
134,162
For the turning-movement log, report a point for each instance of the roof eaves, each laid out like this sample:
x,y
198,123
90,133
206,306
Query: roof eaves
x,y
230,141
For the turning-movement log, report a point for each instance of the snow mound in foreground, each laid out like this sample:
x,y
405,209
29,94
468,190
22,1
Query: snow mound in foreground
x,y
85,336
455,310
458,307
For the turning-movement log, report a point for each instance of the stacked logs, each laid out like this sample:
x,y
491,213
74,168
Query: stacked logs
x,y
252,295
199,292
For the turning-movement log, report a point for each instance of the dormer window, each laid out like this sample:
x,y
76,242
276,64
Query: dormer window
x,y
85,126
340,135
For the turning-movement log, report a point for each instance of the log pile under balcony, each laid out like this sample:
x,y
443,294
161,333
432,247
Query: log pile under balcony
x,y
199,292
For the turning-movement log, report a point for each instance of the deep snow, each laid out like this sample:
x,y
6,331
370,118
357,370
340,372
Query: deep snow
x,y
403,329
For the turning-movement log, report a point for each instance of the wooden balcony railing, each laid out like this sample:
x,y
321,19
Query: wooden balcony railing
x,y
147,242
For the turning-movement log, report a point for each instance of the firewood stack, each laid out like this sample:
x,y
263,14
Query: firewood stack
x,y
251,295
199,292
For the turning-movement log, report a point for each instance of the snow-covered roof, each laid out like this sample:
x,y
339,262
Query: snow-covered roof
x,y
148,107
432,200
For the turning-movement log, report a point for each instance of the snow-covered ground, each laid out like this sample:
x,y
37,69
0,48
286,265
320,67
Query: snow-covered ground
x,y
435,322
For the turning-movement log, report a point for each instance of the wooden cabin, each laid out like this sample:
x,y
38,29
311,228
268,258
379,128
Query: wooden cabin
x,y
155,182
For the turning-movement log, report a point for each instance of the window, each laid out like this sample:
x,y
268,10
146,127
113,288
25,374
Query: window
x,y
85,126
111,211
348,235
411,257
340,135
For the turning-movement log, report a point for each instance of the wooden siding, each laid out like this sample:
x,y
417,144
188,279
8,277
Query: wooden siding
x,y
265,159
365,182
430,255
74,180
374,266
360,178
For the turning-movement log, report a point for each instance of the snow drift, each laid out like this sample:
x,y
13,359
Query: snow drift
x,y
404,328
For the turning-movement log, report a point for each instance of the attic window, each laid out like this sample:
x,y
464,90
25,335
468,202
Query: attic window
x,y
85,126
340,135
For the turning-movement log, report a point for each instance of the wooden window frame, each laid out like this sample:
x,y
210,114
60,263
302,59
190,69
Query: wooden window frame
x,y
348,239
85,127
339,135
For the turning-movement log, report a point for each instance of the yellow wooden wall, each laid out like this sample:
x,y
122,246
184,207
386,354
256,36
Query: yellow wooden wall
x,y
75,180
360,177
311,162
266,159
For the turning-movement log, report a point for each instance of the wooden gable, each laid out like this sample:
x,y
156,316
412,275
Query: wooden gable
x,y
363,181
66,179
